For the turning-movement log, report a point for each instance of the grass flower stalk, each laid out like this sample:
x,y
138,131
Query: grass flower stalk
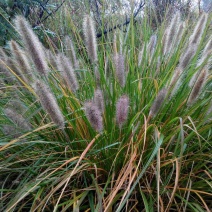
x,y
71,52
158,102
67,71
22,62
32,44
122,110
49,103
120,69
90,38
99,99
94,116
200,82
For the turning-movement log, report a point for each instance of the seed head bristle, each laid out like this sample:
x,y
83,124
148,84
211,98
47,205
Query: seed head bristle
x,y
120,69
5,72
99,99
140,56
199,84
32,44
90,38
122,110
206,51
67,71
171,33
115,51
22,62
157,104
93,115
175,77
71,52
52,59
198,30
49,103
151,45
187,56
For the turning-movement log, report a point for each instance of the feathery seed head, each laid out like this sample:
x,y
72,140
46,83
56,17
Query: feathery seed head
x,y
93,115
33,45
65,66
99,99
71,52
22,62
120,69
52,59
140,56
158,102
114,44
122,110
90,38
206,51
152,44
187,56
175,76
199,84
171,33
198,30
49,103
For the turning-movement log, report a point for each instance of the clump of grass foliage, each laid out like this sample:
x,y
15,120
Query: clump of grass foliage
x,y
122,123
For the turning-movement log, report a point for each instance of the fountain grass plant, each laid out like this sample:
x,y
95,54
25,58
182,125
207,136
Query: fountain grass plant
x,y
119,130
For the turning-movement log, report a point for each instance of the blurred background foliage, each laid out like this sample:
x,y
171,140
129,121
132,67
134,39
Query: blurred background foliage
x,y
48,16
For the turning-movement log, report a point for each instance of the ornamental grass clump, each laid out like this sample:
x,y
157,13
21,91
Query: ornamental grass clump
x,y
123,131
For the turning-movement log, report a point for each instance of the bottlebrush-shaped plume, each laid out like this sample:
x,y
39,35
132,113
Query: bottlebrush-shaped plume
x,y
187,56
13,67
49,103
171,33
32,44
152,44
21,60
93,115
67,71
157,104
179,33
198,30
122,110
140,56
90,38
206,51
200,82
52,59
71,52
99,99
120,69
